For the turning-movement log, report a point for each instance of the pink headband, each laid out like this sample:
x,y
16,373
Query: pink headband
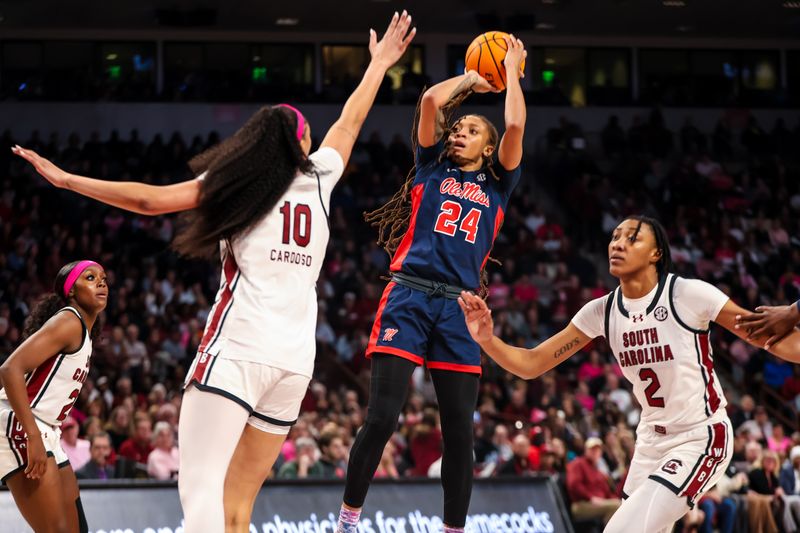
x,y
301,121
75,273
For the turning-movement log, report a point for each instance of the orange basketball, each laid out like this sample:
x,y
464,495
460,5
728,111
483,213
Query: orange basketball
x,y
485,55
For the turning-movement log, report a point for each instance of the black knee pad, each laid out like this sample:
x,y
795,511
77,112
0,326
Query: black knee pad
x,y
83,526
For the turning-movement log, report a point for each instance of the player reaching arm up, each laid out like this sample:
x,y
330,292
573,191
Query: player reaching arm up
x,y
255,359
658,327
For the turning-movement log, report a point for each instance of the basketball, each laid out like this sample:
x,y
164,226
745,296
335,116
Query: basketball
x,y
485,55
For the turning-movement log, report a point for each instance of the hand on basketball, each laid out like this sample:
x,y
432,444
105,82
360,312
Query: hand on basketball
x,y
394,42
515,56
37,458
479,83
777,322
478,317
48,170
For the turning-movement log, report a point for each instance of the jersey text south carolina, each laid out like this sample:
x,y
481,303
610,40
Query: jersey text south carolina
x,y
649,351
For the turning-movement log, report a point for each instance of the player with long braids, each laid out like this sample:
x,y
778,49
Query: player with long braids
x,y
657,325
260,201
439,230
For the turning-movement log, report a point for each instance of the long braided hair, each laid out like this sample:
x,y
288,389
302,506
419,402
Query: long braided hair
x,y
246,175
393,217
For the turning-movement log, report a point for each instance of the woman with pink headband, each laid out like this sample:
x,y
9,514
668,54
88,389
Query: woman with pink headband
x,y
261,202
40,382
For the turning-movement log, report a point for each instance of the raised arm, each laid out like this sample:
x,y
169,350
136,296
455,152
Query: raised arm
x,y
129,195
787,348
429,129
510,151
385,53
525,363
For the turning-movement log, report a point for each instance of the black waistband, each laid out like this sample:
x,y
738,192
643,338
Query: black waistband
x,y
431,288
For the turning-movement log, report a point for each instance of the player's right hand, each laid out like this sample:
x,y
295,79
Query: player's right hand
x,y
478,317
395,41
479,84
48,170
777,322
37,458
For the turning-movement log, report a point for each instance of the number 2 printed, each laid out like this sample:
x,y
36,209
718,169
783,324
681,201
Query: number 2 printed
x,y
447,221
648,374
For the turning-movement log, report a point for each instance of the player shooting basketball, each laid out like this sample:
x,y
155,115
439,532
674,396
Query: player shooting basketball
x,y
458,194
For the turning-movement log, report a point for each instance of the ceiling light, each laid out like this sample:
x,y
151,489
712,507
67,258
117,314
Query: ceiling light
x,y
545,26
111,57
683,28
674,3
287,21
789,4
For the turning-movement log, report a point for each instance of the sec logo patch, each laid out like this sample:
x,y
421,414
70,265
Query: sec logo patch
x,y
661,313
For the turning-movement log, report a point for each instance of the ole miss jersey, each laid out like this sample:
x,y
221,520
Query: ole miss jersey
x,y
455,217
54,385
661,342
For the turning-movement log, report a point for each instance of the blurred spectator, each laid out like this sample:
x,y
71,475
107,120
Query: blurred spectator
x,y
331,463
425,444
721,504
588,488
524,461
98,467
138,447
118,427
77,449
163,462
305,458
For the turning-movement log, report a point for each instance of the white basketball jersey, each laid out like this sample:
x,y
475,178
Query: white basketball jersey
x,y
54,386
662,346
266,307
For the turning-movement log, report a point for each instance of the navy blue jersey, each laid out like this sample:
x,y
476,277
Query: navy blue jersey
x,y
455,217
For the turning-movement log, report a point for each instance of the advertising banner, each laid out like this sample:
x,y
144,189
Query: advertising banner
x,y
526,505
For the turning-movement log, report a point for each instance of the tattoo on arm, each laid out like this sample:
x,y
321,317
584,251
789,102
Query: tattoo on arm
x,y
566,348
464,86
348,132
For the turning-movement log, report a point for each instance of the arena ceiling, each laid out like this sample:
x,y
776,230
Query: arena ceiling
x,y
772,19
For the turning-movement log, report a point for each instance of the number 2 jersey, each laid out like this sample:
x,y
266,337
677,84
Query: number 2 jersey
x,y
54,385
455,218
266,307
661,342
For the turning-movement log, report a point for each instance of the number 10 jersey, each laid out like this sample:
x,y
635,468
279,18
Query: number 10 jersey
x,y
266,307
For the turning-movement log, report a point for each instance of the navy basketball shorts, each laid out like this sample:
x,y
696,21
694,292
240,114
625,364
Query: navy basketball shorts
x,y
424,329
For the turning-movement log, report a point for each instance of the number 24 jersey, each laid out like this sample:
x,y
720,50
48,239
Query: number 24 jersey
x,y
455,218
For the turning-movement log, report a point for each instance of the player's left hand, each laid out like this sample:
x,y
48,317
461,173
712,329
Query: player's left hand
x,y
478,317
515,55
394,42
777,322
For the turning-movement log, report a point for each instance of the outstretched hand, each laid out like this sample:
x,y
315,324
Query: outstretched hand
x,y
478,317
515,56
395,41
48,170
777,322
